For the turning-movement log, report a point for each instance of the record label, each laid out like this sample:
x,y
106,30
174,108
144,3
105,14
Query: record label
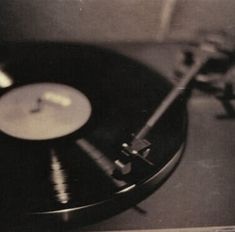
x,y
43,111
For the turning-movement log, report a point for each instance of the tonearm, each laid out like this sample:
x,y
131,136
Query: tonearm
x,y
139,147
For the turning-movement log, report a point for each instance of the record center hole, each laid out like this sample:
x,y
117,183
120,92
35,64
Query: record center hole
x,y
38,106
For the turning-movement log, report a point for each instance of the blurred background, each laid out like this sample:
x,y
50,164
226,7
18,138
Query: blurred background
x,y
113,21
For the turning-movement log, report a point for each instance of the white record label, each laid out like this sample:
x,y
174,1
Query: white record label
x,y
43,111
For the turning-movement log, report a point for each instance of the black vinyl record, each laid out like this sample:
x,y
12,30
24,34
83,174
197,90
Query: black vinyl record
x,y
64,117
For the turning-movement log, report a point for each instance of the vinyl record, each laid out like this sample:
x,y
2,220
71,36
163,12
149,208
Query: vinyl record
x,y
64,117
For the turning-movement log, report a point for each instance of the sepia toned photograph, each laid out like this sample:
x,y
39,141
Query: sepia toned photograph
x,y
117,115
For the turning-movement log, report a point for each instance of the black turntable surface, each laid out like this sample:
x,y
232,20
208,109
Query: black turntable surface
x,y
67,117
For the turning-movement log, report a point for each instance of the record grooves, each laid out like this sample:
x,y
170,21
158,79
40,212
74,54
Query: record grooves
x,y
63,121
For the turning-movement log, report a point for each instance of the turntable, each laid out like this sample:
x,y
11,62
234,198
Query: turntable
x,y
93,132
87,132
